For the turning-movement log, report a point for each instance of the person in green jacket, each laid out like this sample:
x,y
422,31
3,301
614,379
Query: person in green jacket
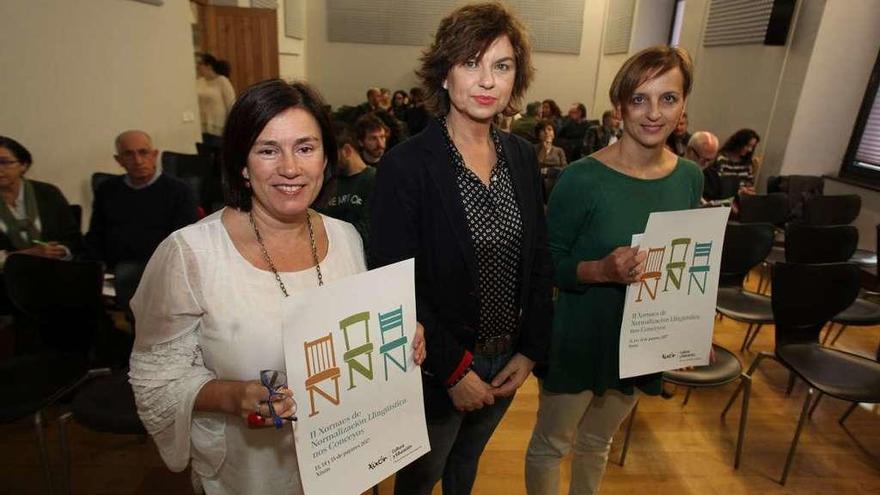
x,y
598,204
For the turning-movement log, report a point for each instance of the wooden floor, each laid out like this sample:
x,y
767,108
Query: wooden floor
x,y
674,449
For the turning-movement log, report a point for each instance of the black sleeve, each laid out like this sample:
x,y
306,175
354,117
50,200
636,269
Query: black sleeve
x,y
67,230
94,240
534,342
395,236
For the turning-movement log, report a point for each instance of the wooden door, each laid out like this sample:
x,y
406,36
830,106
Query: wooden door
x,y
246,38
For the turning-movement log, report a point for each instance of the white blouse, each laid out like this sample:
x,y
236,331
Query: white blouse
x,y
216,97
204,312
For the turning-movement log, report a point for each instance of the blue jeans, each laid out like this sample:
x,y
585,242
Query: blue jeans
x,y
457,441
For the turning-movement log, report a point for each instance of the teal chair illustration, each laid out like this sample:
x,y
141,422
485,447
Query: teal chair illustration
x,y
321,366
701,250
352,355
393,339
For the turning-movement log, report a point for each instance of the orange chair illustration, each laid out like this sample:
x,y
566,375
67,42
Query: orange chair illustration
x,y
321,366
653,264
675,267
390,323
701,250
352,354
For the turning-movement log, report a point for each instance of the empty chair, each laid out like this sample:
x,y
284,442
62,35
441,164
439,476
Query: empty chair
x,y
725,369
769,208
839,209
805,297
745,246
798,188
820,243
62,301
197,171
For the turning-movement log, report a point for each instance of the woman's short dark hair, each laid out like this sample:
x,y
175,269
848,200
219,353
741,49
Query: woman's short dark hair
x,y
20,152
221,67
467,33
541,125
739,139
555,111
253,109
648,64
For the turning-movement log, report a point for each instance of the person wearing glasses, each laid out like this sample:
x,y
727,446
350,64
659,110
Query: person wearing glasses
x,y
35,217
702,149
208,309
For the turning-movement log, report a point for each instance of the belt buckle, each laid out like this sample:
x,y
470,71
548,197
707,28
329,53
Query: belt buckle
x,y
495,347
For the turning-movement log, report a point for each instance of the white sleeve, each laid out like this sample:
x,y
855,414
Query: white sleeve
x,y
228,93
166,366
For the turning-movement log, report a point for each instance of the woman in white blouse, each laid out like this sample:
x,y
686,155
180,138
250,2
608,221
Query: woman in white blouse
x,y
208,308
216,97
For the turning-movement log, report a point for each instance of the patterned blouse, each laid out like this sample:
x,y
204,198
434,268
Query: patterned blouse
x,y
495,225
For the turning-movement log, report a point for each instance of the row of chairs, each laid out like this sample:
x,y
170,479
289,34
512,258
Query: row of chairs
x,y
63,302
807,294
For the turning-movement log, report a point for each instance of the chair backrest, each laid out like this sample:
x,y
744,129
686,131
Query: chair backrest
x,y
805,297
77,212
320,355
798,188
745,246
766,208
98,178
841,209
183,165
820,243
62,297
729,186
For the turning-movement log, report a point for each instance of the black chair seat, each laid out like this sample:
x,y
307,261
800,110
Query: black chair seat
x,y
741,305
836,373
725,369
860,313
32,382
864,258
106,404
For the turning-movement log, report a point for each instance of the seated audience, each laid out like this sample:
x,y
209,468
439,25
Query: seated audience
x,y
549,156
417,116
395,129
346,196
373,103
385,99
525,126
679,138
134,212
400,105
574,128
372,135
600,136
736,157
35,218
702,149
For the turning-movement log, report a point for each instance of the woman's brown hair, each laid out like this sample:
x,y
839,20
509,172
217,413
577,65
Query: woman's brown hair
x,y
467,33
646,65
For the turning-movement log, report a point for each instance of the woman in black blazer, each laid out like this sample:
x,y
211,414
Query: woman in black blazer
x,y
464,199
35,218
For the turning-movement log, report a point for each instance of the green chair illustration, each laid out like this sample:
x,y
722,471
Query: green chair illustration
x,y
652,272
701,250
320,367
351,355
393,344
675,267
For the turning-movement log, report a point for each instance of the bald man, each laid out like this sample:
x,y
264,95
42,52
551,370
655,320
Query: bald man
x,y
132,213
702,149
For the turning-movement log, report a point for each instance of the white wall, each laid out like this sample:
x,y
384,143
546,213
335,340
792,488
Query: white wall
x,y
291,51
77,73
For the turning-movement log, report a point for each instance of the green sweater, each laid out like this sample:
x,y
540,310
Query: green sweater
x,y
593,210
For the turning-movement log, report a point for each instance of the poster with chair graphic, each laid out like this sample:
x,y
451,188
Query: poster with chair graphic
x,y
348,350
669,314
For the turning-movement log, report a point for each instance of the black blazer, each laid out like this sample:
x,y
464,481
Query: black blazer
x,y
417,212
57,222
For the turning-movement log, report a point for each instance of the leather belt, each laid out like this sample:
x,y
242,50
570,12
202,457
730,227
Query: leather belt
x,y
495,346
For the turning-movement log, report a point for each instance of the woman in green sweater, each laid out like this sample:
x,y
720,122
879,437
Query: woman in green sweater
x,y
597,205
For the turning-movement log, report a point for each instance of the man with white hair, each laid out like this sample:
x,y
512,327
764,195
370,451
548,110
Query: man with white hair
x,y
702,149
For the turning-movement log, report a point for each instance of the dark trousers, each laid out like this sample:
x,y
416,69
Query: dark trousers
x,y
457,441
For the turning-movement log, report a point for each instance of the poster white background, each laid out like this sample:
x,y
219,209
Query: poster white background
x,y
378,426
669,316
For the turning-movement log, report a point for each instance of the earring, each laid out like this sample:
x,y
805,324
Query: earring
x,y
444,85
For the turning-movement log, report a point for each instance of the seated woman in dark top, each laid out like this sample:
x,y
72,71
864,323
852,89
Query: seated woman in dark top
x,y
35,218
736,157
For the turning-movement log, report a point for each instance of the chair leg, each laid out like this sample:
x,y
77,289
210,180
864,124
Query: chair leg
x,y
629,426
852,407
839,333
819,396
687,396
746,382
39,427
754,335
797,435
65,452
749,373
742,348
791,382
